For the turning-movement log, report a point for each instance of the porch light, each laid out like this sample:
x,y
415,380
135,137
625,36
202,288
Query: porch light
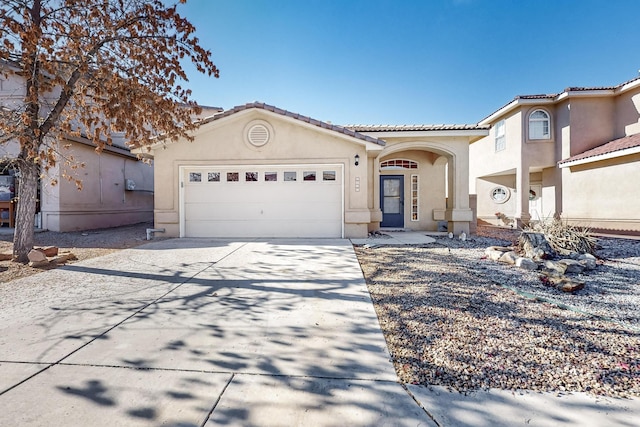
x,y
357,159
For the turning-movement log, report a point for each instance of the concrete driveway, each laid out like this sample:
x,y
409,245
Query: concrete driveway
x,y
192,332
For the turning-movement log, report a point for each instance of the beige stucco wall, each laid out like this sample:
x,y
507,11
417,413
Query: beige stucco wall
x,y
627,115
222,142
485,160
486,207
592,122
604,194
103,200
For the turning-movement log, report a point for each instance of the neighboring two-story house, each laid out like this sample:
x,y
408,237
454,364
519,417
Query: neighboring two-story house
x,y
574,154
117,188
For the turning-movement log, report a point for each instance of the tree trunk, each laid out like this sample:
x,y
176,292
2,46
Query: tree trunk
x,y
28,191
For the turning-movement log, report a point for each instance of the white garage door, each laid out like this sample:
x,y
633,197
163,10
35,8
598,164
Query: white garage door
x,y
262,201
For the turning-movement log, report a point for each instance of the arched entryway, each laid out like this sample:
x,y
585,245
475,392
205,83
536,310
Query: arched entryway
x,y
418,185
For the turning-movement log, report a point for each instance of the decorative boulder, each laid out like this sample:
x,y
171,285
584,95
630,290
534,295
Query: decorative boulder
x,y
554,268
526,263
573,266
536,246
35,255
509,257
588,260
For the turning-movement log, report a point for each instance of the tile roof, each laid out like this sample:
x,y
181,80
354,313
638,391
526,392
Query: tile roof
x,y
586,88
608,148
392,128
553,96
324,125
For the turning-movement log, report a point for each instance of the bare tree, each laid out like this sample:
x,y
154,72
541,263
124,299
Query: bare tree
x,y
91,68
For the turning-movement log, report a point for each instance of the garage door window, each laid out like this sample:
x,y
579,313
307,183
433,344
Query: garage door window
x,y
213,177
251,176
309,176
271,176
329,175
289,176
233,177
195,177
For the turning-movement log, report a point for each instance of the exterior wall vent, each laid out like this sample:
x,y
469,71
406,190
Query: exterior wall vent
x,y
258,135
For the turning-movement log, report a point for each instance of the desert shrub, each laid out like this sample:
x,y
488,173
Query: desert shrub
x,y
564,238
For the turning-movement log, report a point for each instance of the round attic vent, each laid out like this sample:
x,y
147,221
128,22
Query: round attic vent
x,y
258,135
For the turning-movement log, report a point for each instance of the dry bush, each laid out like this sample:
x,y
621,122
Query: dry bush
x,y
564,238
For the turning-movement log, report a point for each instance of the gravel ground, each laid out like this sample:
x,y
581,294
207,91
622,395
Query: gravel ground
x,y
453,318
84,244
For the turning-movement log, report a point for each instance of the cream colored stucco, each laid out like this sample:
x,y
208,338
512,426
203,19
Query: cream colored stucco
x,y
223,141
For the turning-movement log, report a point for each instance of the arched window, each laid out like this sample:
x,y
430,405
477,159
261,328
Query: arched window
x,y
539,125
399,164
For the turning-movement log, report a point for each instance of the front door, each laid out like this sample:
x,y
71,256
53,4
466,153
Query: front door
x,y
392,200
535,202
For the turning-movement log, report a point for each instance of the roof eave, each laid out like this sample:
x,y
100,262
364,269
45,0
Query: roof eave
x,y
428,133
518,102
600,157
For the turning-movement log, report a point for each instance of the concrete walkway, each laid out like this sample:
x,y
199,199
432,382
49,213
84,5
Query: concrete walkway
x,y
192,332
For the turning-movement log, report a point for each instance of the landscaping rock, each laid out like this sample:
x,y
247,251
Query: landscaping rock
x,y
49,251
36,256
5,256
526,263
573,266
536,246
569,285
588,260
554,268
63,258
509,257
493,253
39,264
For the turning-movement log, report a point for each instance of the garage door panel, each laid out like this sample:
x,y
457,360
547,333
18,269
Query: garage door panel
x,y
262,229
220,211
264,208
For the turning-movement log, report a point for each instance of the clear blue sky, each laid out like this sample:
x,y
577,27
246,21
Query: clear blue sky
x,y
406,62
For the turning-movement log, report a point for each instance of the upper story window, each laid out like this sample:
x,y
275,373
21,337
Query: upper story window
x,y
501,139
539,125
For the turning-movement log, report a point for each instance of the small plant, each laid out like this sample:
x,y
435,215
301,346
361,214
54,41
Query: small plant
x,y
564,238
505,219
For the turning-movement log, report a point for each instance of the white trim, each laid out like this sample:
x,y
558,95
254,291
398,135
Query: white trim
x,y
612,155
507,194
397,168
416,176
500,137
531,119
182,168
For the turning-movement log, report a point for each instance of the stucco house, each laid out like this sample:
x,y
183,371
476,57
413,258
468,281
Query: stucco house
x,y
575,154
259,171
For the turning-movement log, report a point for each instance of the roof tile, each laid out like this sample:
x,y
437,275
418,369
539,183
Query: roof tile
x,y
393,128
340,129
610,147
